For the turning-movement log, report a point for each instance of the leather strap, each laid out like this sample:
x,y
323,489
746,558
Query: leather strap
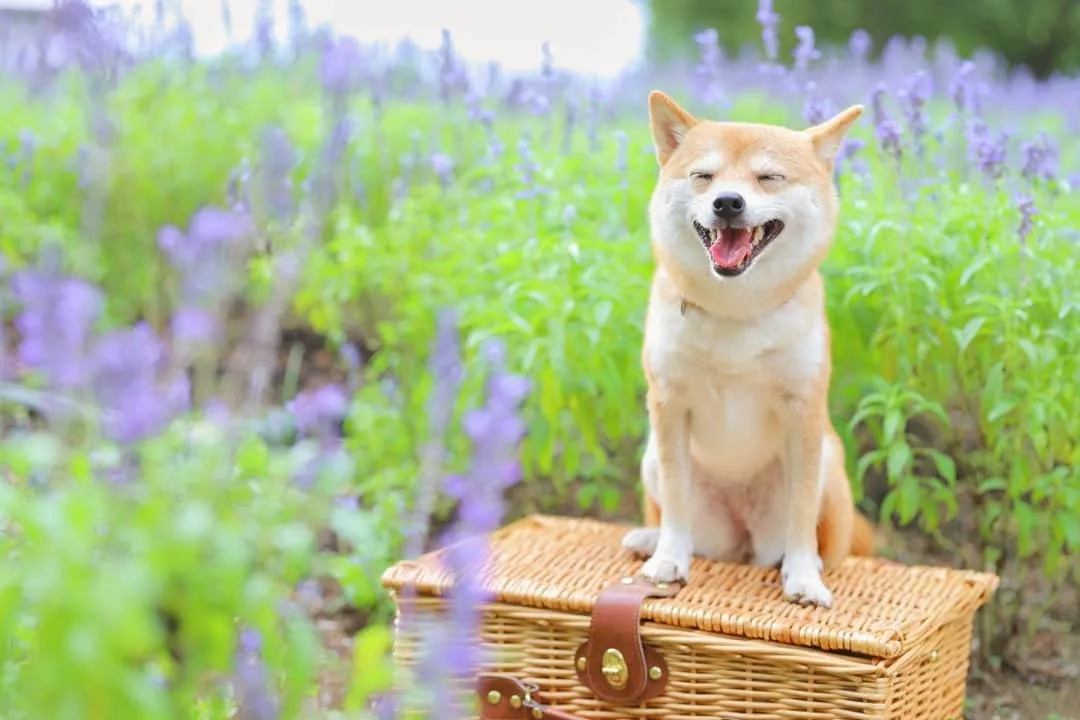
x,y
504,697
614,662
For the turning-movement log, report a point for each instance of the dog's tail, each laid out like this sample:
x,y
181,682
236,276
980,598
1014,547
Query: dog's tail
x,y
863,536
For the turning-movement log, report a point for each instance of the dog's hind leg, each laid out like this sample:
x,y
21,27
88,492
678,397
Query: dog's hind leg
x,y
643,540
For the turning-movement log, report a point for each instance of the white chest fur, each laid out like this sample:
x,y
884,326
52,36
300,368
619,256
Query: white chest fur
x,y
732,376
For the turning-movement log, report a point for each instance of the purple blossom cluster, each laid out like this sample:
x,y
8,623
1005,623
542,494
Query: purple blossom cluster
x,y
127,371
769,20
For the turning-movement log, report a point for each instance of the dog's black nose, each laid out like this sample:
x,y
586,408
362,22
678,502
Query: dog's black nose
x,y
728,204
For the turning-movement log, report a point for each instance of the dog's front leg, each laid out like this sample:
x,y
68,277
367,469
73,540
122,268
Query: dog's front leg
x,y
801,568
670,424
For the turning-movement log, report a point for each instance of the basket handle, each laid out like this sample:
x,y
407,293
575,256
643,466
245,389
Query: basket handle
x,y
504,697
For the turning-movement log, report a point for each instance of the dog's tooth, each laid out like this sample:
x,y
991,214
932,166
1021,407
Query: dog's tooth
x,y
759,232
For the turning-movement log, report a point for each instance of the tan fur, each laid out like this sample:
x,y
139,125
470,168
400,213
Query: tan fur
x,y
742,460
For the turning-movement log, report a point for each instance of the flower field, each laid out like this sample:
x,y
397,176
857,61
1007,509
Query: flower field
x,y
275,320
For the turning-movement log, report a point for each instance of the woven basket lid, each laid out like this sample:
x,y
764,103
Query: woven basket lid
x,y
880,608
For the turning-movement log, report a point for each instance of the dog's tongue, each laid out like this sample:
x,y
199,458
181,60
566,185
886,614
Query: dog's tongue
x,y
731,247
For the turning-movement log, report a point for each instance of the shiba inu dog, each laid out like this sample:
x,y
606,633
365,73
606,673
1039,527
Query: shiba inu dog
x,y
742,461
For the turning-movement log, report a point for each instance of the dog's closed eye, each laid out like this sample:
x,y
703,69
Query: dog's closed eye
x,y
770,178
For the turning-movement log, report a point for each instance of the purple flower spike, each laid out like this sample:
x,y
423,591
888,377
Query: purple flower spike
x,y
805,52
987,149
769,21
915,96
136,401
1040,158
816,108
205,256
58,314
1026,205
253,693
963,89
494,431
194,326
887,130
443,167
319,412
860,44
339,65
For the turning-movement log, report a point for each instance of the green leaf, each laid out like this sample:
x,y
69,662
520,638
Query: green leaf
x,y
371,669
965,335
899,459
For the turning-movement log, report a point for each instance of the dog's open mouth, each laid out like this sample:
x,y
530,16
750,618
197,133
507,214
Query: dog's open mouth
x,y
732,249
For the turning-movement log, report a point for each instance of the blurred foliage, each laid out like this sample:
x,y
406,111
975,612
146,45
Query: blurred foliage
x,y
956,342
1039,34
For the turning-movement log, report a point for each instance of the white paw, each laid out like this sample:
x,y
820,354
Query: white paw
x,y
807,590
666,568
802,581
642,540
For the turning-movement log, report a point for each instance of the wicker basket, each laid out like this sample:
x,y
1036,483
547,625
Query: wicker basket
x,y
563,637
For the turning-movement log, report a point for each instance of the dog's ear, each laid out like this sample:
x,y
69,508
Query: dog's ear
x,y
669,124
828,135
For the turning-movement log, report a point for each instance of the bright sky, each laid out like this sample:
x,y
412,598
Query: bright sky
x,y
593,36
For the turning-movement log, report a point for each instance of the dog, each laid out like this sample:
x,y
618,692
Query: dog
x,y
742,463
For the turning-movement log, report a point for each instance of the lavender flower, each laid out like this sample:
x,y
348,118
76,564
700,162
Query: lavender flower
x,y
963,89
194,326
708,70
621,142
251,685
204,256
816,108
859,44
443,167
914,97
570,114
1026,206
569,216
279,159
986,148
7,365
805,52
769,21
320,412
886,129
445,368
27,150
136,400
58,314
1040,158
494,431
339,65
452,77
528,168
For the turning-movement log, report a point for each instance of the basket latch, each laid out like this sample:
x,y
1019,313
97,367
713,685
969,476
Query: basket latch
x,y
614,662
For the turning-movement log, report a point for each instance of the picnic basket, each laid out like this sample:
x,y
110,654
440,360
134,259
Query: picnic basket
x,y
570,632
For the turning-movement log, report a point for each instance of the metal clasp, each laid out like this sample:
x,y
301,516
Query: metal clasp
x,y
614,668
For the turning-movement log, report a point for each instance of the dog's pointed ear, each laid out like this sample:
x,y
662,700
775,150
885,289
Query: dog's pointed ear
x,y
828,135
669,124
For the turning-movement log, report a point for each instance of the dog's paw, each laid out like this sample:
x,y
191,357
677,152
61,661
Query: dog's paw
x,y
642,541
807,590
802,581
666,568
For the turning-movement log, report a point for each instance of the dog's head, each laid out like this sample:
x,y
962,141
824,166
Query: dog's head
x,y
743,200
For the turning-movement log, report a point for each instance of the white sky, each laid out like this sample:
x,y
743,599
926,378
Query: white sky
x,y
593,36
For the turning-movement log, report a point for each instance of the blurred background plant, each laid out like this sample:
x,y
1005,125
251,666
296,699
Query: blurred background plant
x,y
277,317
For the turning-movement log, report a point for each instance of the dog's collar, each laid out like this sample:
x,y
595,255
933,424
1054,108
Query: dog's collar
x,y
684,303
